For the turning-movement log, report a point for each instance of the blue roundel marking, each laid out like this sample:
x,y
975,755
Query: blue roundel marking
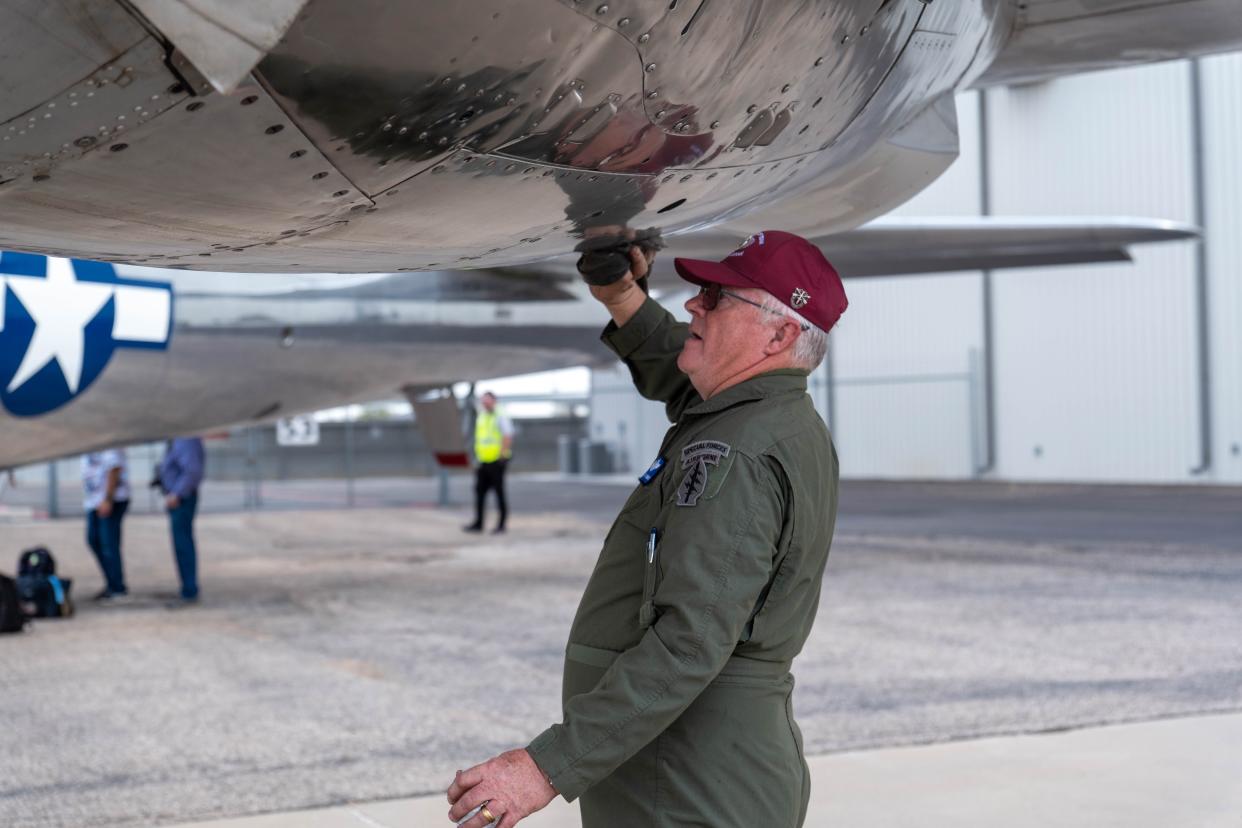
x,y
60,322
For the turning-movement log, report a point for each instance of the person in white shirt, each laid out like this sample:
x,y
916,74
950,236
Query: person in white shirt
x,y
105,485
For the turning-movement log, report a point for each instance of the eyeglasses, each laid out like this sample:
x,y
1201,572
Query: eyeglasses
x,y
710,295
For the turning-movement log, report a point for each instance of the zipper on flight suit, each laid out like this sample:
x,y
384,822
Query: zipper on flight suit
x,y
646,612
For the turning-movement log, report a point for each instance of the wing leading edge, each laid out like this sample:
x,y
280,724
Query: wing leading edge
x,y
917,246
913,246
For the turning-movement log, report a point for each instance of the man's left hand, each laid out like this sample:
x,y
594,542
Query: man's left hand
x,y
172,501
512,786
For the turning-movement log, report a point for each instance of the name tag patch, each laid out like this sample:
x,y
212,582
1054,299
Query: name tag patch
x,y
652,471
695,459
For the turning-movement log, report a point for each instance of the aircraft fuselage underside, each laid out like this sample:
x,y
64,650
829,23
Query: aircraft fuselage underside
x,y
378,135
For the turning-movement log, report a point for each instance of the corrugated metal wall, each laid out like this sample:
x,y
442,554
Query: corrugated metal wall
x,y
1222,107
902,353
903,387
1096,367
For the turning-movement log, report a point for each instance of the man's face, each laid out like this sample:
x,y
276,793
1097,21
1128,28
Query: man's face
x,y
724,341
489,402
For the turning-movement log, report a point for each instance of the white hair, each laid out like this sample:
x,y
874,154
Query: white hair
x,y
812,344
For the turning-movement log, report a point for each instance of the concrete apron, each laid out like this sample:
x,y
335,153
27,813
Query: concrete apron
x,y
1173,772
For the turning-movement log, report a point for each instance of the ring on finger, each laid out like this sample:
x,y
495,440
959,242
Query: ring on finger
x,y
487,815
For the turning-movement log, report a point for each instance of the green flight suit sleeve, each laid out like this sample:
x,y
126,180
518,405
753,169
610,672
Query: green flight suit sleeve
x,y
717,557
649,344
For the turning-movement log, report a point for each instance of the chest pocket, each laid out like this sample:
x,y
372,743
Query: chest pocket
x,y
694,473
635,536
650,516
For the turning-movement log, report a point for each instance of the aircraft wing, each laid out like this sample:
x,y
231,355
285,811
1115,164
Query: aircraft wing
x,y
918,245
913,246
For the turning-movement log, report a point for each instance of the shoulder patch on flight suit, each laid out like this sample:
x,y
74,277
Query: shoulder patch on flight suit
x,y
695,458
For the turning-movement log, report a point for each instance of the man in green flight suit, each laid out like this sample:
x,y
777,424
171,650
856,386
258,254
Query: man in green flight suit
x,y
677,684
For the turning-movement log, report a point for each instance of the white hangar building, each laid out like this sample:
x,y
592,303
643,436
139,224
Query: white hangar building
x,y
1120,373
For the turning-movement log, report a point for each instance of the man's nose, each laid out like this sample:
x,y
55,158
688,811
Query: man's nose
x,y
695,304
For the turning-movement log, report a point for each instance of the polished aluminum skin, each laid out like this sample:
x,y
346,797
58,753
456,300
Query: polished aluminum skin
x,y
379,135
376,135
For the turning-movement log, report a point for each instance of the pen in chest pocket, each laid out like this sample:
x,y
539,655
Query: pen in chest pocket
x,y
646,612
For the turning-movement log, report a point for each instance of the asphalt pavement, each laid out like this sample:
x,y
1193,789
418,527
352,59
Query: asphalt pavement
x,y
361,655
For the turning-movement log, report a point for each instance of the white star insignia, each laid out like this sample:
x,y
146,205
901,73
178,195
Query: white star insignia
x,y
61,307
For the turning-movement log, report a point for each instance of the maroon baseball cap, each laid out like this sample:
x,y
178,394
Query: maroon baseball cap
x,y
787,266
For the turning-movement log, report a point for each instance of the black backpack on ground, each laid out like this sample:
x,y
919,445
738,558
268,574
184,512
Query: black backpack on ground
x,y
36,561
12,619
40,589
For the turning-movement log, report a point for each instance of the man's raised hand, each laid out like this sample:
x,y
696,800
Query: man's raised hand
x,y
624,297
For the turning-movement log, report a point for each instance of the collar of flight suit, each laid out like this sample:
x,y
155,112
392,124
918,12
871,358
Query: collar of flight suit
x,y
761,386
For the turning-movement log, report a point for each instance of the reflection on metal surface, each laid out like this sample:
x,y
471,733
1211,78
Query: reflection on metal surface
x,y
415,136
380,136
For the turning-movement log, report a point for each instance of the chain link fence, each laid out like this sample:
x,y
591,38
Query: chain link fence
x,y
354,463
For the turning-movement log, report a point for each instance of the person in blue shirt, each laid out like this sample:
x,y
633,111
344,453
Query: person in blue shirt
x,y
180,474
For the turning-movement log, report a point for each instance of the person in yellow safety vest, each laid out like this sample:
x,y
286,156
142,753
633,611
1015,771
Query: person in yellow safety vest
x,y
493,446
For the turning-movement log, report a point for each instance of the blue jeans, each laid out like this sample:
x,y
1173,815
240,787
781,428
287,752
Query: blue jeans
x,y
103,536
181,521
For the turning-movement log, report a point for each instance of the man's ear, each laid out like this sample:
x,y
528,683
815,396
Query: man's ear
x,y
784,337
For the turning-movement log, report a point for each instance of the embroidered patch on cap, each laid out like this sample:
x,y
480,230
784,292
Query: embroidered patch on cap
x,y
695,458
756,238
